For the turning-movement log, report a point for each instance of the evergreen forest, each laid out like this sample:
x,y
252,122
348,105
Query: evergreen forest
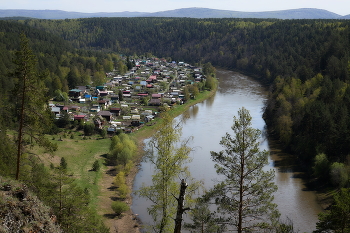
x,y
305,64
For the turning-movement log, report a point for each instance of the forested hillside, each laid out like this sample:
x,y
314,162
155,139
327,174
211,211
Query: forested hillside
x,y
66,66
299,49
304,62
267,48
308,107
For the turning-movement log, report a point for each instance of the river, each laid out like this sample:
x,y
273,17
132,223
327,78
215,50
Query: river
x,y
209,121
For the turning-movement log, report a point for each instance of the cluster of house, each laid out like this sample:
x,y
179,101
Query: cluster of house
x,y
129,101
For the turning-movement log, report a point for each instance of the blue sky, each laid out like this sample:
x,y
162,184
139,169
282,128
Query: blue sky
x,y
341,7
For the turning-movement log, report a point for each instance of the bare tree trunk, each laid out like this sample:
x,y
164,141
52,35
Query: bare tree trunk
x,y
240,210
20,131
180,205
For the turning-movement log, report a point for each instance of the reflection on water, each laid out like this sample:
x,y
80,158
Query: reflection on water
x,y
192,111
209,102
208,122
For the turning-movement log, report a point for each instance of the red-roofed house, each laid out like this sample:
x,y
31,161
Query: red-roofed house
x,y
153,77
79,117
156,96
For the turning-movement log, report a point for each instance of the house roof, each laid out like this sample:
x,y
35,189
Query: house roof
x,y
75,90
55,109
156,95
104,113
81,88
155,101
79,117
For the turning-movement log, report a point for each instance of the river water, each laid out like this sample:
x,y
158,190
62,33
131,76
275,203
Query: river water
x,y
207,124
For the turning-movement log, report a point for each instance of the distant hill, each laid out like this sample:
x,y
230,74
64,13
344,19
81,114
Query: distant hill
x,y
58,14
303,13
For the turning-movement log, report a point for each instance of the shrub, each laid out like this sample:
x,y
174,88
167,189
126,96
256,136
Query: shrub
x,y
339,175
321,166
63,163
128,167
123,190
96,166
103,133
89,129
119,207
119,179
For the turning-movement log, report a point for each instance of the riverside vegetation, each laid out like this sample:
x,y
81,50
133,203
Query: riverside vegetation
x,y
305,63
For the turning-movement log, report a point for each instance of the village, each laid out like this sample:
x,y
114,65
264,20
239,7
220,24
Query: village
x,y
130,101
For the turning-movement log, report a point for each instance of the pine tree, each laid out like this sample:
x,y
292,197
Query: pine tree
x,y
31,102
244,196
337,219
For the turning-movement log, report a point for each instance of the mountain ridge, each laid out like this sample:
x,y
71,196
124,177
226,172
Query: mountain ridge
x,y
194,12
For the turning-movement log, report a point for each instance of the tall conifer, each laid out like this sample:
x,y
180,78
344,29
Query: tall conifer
x,y
33,114
244,196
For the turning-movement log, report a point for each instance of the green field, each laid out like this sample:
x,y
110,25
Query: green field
x,y
80,153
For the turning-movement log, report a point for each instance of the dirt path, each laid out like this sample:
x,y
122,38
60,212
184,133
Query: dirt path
x,y
128,222
125,224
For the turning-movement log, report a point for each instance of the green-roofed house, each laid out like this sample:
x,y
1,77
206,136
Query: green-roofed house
x,y
75,93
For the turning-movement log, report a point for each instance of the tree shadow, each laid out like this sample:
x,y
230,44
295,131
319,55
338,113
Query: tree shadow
x,y
117,199
108,161
112,172
112,188
111,216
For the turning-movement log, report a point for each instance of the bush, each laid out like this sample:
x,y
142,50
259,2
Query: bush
x,y
128,167
119,207
103,133
321,166
119,178
123,190
89,129
96,166
339,175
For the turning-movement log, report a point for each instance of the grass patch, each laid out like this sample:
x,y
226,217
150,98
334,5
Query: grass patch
x,y
80,155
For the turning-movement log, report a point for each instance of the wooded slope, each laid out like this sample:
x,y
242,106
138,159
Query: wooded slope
x,y
306,61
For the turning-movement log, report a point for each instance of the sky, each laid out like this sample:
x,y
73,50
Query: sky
x,y
341,7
